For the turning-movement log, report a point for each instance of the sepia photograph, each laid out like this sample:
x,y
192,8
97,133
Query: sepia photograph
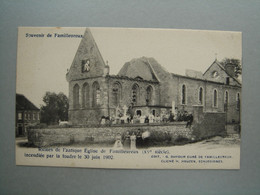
x,y
128,98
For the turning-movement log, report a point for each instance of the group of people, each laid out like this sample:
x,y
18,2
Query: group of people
x,y
132,140
164,117
137,118
183,116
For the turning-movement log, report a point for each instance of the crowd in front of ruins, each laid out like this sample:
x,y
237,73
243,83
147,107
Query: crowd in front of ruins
x,y
164,117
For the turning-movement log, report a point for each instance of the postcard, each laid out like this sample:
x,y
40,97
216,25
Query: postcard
x,y
128,98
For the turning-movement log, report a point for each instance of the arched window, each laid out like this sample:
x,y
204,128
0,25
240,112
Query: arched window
x,y
76,96
139,112
200,95
149,95
215,98
226,98
85,95
238,100
96,94
238,97
135,94
183,94
116,94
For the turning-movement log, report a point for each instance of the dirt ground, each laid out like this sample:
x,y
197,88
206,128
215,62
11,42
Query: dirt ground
x,y
215,142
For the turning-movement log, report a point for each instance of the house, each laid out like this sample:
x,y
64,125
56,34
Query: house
x,y
26,114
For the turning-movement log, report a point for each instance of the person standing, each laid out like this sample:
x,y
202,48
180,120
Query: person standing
x,y
133,141
139,139
190,120
171,117
126,142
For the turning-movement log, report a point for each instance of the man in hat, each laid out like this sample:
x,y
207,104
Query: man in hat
x,y
190,120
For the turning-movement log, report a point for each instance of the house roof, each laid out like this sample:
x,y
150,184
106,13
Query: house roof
x,y
199,79
22,103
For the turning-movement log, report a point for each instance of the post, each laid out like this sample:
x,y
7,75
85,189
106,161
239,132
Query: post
x,y
173,107
125,109
239,124
226,111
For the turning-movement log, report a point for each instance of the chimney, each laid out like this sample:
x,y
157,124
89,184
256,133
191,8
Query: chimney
x,y
230,68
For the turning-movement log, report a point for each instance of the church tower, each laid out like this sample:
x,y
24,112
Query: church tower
x,y
87,83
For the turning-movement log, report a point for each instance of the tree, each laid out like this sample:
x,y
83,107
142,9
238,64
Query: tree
x,y
235,62
55,108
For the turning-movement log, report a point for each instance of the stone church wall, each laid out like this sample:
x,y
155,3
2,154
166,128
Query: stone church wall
x,y
209,100
163,95
89,113
192,93
92,115
233,108
126,94
192,96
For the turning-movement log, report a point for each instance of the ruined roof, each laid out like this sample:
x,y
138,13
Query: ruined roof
x,y
145,68
150,70
22,103
131,79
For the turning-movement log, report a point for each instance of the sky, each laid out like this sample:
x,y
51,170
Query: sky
x,y
42,62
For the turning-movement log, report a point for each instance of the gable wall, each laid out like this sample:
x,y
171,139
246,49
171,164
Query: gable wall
x,y
222,75
87,50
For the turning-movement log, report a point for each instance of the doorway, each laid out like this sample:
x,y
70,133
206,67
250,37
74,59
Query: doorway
x,y
20,130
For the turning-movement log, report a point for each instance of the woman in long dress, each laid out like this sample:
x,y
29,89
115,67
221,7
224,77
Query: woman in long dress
x,y
118,143
139,140
133,141
126,142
